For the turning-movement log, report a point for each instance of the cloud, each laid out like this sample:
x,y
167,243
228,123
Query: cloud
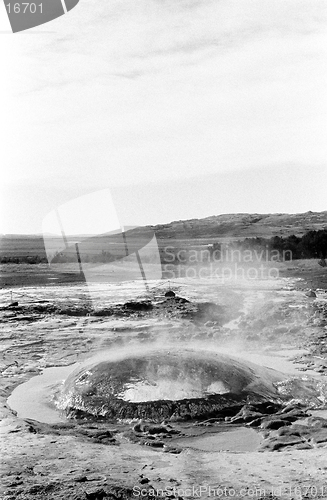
x,y
124,91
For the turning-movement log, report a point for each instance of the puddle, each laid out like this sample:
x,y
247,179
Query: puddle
x,y
235,440
34,398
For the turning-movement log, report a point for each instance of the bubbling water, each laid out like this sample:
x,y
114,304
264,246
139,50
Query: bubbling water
x,y
169,390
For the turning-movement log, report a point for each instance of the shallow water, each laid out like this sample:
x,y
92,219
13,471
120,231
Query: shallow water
x,y
235,440
35,398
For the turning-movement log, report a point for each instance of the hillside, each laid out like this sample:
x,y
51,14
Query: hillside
x,y
243,226
208,229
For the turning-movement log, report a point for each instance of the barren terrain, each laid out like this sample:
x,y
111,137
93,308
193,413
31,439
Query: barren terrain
x,y
252,451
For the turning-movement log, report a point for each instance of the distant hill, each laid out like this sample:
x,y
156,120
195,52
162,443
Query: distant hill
x,y
217,227
243,226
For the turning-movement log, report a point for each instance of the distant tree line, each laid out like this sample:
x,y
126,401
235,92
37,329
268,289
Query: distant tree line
x,y
23,259
312,245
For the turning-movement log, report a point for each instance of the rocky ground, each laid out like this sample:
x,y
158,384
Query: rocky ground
x,y
57,325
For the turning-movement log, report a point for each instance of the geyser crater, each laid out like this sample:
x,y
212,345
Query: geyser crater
x,y
161,383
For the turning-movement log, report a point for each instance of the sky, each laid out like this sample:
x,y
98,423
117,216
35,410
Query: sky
x,y
181,108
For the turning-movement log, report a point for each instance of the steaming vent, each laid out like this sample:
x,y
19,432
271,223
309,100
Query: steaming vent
x,y
165,384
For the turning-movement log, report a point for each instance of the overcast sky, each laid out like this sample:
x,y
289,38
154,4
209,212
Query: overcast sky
x,y
197,107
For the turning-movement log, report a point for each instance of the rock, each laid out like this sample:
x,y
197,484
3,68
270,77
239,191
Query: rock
x,y
281,442
81,479
319,436
296,435
171,449
293,415
95,494
303,446
255,423
154,444
138,427
317,422
245,415
105,440
311,294
138,306
12,304
273,424
288,431
157,429
303,429
96,433
268,407
291,407
150,428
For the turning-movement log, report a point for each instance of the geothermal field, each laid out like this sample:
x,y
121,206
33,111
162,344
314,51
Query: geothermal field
x,y
184,388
